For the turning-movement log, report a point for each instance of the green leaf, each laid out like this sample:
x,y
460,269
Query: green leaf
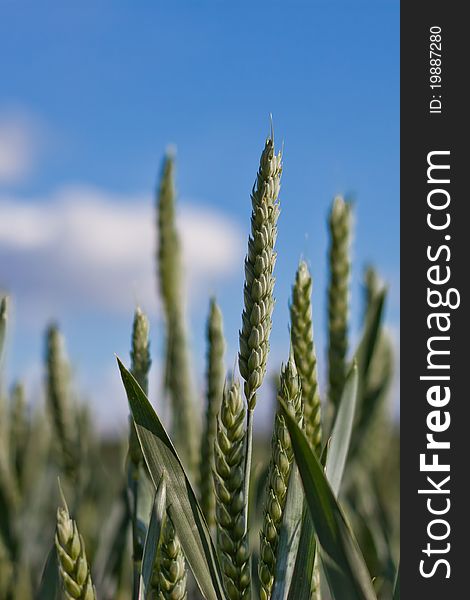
x,y
341,434
324,453
301,581
183,507
370,336
334,456
141,494
297,545
50,584
153,537
289,537
375,387
368,399
396,587
341,558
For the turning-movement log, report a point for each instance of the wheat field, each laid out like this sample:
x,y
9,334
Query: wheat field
x,y
195,505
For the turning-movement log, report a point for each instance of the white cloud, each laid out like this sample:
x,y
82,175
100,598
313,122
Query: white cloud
x,y
86,249
18,144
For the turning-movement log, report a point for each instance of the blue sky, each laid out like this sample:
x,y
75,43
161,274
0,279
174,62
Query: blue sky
x,y
91,95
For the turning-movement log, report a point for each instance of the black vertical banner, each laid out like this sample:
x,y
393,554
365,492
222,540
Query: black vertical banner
x,y
435,331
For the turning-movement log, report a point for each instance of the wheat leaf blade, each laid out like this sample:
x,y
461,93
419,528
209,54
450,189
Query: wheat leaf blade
x,y
368,400
152,539
396,587
50,584
370,334
289,539
160,455
341,558
342,430
278,478
302,576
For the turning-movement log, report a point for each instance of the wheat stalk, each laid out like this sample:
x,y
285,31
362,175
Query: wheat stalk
x,y
215,385
305,355
278,477
177,371
169,575
229,449
57,375
73,566
338,296
258,292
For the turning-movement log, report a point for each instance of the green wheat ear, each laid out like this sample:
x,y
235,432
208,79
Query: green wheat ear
x,y
229,451
305,355
73,566
259,277
169,252
169,577
278,477
3,323
140,367
338,297
58,398
177,369
215,385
